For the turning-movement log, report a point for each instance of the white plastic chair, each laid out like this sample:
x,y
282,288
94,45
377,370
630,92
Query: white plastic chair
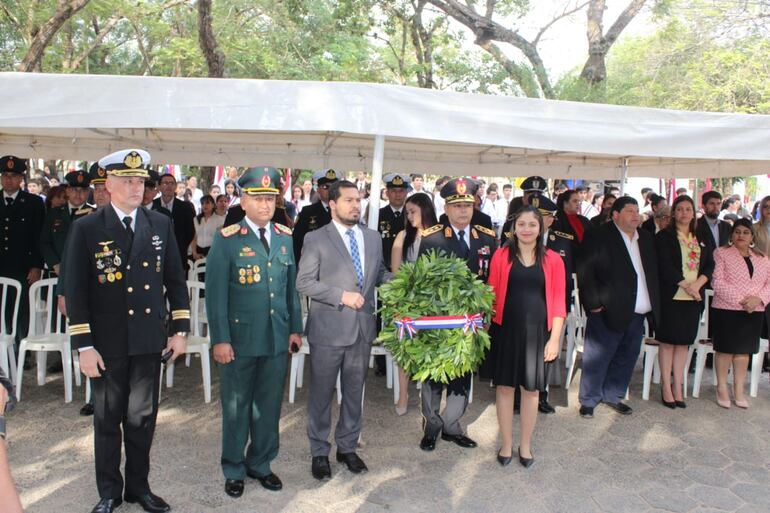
x,y
47,337
8,333
197,270
703,347
297,369
756,366
576,332
196,342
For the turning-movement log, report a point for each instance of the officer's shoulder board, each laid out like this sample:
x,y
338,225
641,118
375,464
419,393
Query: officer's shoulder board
x,y
564,235
227,231
433,229
484,229
279,228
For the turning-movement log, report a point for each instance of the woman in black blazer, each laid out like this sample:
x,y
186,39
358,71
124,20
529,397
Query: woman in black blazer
x,y
684,267
568,220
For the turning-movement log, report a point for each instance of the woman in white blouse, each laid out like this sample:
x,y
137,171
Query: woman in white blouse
x,y
206,225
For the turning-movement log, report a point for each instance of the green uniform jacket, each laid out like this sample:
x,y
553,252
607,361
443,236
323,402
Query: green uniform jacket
x,y
55,229
251,299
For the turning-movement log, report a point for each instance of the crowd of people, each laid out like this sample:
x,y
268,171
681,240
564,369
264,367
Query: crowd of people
x,y
265,250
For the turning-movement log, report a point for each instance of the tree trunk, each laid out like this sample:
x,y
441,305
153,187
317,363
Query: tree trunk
x,y
215,59
65,9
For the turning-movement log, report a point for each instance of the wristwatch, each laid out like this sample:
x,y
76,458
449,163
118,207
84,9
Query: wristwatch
x,y
181,334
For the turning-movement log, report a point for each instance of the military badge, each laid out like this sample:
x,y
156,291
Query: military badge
x,y
397,180
257,278
242,280
256,269
244,230
447,232
461,186
474,233
133,160
118,275
250,279
242,272
283,250
331,175
266,179
534,201
110,277
552,237
101,278
228,231
10,164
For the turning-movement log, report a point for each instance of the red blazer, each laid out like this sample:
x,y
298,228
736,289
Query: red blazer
x,y
555,284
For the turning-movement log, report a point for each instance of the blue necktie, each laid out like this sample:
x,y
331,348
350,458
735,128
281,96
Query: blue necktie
x,y
356,257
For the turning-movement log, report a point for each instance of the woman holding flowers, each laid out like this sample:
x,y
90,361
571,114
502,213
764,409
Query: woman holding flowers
x,y
684,266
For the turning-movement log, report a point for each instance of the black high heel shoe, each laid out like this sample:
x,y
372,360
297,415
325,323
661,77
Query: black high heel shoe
x,y
525,462
503,460
667,404
680,404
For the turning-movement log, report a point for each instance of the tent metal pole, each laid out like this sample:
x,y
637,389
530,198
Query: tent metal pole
x,y
374,196
623,175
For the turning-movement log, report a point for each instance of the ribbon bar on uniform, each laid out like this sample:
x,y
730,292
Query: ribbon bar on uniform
x,y
409,326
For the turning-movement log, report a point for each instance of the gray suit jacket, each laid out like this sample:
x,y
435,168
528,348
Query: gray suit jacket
x,y
325,272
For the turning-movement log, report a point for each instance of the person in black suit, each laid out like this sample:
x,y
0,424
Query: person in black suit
x,y
391,219
656,202
150,191
685,266
317,214
618,279
569,221
710,229
456,237
21,221
122,257
182,214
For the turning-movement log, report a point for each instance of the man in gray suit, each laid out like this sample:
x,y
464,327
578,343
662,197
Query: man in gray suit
x,y
340,267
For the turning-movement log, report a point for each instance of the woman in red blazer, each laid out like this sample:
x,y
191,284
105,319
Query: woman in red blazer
x,y
741,283
530,308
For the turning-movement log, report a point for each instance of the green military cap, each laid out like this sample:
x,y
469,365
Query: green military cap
x,y
126,163
459,190
260,180
77,178
97,174
11,164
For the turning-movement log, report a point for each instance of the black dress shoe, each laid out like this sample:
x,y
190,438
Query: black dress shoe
x,y
428,443
503,460
667,404
352,461
461,440
270,481
621,408
525,462
87,410
587,412
234,487
107,505
680,404
544,407
321,468
149,502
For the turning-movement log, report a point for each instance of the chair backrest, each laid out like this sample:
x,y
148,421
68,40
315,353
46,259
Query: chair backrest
x,y
44,304
197,306
198,270
7,286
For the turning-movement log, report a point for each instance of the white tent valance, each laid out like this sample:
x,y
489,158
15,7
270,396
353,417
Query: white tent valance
x,y
334,124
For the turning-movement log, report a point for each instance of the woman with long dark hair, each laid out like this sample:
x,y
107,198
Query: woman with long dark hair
x,y
206,225
529,283
684,267
420,215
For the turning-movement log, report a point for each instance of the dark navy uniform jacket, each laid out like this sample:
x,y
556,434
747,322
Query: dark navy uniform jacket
x,y
20,227
312,217
115,297
483,244
389,226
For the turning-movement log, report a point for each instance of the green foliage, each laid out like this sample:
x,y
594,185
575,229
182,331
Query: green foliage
x,y
436,285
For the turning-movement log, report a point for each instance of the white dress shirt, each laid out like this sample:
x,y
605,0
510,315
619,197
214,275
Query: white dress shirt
x,y
122,214
205,229
255,228
643,303
169,206
342,229
466,234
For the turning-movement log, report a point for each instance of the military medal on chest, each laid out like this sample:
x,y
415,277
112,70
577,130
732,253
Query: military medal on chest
x,y
108,261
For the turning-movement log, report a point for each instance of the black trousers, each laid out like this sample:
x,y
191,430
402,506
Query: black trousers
x,y
125,409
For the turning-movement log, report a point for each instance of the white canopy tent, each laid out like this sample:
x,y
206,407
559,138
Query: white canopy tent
x,y
354,126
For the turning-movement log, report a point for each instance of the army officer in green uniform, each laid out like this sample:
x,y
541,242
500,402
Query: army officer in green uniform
x,y
255,318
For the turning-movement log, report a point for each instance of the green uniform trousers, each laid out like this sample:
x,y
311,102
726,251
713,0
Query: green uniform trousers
x,y
251,391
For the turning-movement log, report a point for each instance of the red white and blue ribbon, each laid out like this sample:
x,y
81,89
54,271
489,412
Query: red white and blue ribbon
x,y
409,326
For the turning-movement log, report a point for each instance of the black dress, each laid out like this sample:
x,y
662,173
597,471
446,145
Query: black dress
x,y
516,356
737,331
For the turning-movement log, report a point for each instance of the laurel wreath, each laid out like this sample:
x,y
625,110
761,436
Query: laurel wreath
x,y
436,285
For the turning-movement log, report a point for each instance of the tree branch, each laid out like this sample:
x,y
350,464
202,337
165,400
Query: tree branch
x,y
100,35
564,14
42,37
215,59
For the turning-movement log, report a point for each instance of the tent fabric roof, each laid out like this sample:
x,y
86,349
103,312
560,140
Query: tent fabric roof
x,y
298,124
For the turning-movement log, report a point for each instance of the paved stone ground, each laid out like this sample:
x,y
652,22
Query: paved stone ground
x,y
701,459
